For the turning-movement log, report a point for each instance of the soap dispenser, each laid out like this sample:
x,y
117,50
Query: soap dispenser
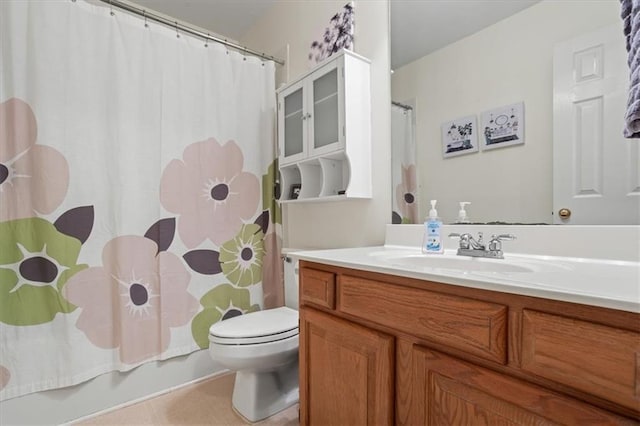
x,y
432,242
462,213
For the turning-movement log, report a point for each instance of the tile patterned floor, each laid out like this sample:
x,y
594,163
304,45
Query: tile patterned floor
x,y
204,403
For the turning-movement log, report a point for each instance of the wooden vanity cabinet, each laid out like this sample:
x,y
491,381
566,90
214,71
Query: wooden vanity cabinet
x,y
348,372
378,349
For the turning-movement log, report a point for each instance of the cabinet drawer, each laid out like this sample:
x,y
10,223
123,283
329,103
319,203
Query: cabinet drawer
x,y
318,288
594,358
471,325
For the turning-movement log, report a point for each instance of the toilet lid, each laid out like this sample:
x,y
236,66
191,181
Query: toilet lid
x,y
256,327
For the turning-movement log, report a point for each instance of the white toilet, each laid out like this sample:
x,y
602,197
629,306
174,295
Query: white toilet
x,y
262,347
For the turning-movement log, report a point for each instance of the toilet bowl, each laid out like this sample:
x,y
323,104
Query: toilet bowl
x,y
262,347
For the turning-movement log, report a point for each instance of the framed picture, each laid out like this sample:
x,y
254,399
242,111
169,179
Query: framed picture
x,y
295,191
459,137
503,126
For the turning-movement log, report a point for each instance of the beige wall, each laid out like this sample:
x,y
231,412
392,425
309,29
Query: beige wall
x,y
509,62
296,24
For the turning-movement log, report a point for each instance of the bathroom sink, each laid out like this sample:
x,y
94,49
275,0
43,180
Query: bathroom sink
x,y
459,263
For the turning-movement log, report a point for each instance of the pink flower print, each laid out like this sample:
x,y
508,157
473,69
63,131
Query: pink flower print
x,y
33,178
272,272
210,192
5,376
406,195
131,301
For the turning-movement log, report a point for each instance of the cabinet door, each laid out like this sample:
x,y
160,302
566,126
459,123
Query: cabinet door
x,y
327,109
292,122
447,391
346,372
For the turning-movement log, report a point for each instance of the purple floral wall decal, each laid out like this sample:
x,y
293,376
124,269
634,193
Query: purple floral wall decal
x,y
338,35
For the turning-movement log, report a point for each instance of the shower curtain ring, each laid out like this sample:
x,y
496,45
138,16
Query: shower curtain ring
x,y
144,14
177,33
111,9
206,41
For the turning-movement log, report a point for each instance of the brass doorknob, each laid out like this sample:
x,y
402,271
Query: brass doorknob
x,y
564,213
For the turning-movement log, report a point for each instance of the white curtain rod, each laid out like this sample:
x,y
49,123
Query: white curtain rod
x,y
189,30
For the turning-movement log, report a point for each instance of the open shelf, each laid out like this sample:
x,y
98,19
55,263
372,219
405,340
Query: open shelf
x,y
317,178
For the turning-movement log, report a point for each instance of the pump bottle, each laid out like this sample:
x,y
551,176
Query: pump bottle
x,y
462,213
432,242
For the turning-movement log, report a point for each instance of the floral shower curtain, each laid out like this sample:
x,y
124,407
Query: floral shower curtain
x,y
403,166
136,181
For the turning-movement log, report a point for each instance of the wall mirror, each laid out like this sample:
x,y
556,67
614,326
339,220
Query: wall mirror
x,y
564,61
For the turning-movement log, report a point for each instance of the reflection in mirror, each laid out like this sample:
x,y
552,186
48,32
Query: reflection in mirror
x,y
404,185
509,62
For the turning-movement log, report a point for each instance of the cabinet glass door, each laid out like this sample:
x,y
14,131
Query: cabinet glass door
x,y
293,124
326,123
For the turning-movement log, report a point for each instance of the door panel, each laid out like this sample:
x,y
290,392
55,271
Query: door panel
x,y
595,169
346,372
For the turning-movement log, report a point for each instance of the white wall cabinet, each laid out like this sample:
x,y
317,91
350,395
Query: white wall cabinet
x,y
324,132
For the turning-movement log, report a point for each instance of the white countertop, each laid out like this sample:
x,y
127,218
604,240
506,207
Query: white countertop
x,y
606,283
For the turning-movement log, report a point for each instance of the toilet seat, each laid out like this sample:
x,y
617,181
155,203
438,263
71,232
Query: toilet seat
x,y
256,328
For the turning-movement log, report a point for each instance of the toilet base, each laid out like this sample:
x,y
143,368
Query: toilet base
x,y
258,395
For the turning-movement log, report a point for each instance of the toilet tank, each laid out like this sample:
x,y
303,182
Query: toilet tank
x,y
290,280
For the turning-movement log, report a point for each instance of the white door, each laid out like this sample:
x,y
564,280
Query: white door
x,y
595,169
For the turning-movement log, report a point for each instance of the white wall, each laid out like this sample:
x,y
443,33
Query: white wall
x,y
296,24
509,62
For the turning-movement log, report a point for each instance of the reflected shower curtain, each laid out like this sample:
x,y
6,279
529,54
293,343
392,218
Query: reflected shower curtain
x,y
136,181
403,166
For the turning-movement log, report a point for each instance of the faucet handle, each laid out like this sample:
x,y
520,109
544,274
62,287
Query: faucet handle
x,y
503,237
495,244
464,239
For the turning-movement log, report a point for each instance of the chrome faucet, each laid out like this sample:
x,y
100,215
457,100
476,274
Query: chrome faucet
x,y
469,246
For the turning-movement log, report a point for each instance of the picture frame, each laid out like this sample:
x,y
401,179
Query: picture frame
x,y
294,193
503,126
459,137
